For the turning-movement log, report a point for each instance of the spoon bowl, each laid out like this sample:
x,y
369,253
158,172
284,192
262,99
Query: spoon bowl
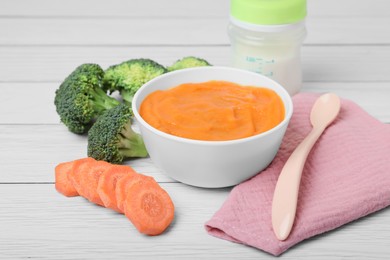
x,y
325,110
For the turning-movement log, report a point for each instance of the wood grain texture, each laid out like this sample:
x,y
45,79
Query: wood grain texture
x,y
37,222
320,63
118,9
347,51
30,152
115,9
371,96
147,31
134,22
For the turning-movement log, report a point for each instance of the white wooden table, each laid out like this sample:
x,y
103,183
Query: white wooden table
x,y
347,51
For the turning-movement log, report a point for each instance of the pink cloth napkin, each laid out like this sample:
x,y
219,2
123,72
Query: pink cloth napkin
x,y
346,176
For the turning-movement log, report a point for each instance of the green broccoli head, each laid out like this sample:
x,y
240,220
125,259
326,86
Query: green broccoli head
x,y
127,77
112,139
80,99
188,62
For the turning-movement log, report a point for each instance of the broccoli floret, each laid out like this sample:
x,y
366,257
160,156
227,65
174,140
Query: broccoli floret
x,y
188,62
127,77
80,98
112,139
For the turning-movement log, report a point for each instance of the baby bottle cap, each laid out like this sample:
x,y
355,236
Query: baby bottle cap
x,y
268,12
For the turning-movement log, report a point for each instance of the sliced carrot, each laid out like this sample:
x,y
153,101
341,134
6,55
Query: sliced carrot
x,y
80,167
107,183
124,184
62,184
149,207
89,181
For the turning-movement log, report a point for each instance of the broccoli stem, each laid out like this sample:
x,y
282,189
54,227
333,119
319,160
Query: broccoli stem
x,y
127,96
131,144
101,101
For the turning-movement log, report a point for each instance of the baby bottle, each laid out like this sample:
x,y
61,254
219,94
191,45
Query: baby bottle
x,y
266,37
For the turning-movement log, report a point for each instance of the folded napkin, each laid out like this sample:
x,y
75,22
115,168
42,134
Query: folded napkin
x,y
346,176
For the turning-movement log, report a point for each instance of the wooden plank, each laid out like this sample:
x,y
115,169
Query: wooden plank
x,y
31,131
176,31
95,31
37,222
346,51
54,63
373,97
347,8
345,63
320,63
28,103
113,9
151,8
36,104
29,153
348,30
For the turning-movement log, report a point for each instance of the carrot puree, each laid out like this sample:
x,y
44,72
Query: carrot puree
x,y
213,110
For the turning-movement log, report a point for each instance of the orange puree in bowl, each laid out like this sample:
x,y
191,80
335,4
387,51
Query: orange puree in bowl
x,y
213,110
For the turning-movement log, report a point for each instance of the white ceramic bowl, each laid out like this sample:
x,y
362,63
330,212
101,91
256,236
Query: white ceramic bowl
x,y
211,164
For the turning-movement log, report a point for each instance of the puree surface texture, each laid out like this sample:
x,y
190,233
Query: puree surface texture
x,y
213,110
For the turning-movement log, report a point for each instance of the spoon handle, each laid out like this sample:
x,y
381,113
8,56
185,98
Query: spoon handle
x,y
285,198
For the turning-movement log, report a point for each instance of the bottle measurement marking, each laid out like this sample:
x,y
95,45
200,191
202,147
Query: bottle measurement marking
x,y
258,63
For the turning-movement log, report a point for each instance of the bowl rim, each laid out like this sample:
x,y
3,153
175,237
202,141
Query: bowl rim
x,y
141,121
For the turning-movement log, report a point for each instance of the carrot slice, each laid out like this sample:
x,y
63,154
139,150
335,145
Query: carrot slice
x,y
126,183
149,207
79,168
62,184
107,183
89,181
